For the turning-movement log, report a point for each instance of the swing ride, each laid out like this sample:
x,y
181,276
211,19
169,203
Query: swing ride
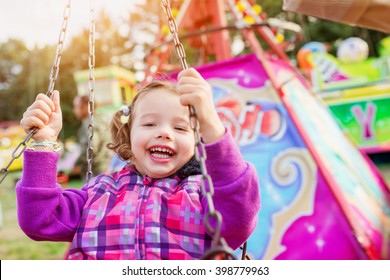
x,y
317,188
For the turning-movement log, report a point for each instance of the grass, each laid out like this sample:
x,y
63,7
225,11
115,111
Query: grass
x,y
15,245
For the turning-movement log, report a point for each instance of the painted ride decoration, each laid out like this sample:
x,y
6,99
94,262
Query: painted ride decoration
x,y
315,185
355,87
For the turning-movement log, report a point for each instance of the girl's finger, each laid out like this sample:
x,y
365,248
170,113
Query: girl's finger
x,y
191,99
46,99
38,114
30,122
191,80
56,101
189,72
41,105
186,88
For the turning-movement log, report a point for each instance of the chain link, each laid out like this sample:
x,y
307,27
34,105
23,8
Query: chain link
x,y
52,81
213,218
173,30
91,87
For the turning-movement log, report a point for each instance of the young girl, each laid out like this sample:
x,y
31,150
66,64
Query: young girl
x,y
153,208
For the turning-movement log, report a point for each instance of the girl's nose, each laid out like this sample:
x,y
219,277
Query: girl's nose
x,y
164,133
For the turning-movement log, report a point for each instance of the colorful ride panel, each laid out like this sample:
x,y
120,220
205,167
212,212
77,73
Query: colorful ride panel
x,y
358,96
321,198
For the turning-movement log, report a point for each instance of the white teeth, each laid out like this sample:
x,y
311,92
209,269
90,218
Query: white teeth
x,y
160,156
162,150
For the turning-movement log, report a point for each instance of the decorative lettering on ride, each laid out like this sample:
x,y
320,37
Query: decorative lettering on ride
x,y
366,120
249,113
250,122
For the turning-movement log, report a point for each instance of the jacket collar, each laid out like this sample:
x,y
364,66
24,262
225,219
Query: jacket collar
x,y
192,167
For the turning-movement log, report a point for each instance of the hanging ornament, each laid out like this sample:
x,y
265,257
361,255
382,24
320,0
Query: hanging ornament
x,y
165,30
240,6
175,12
279,38
257,9
249,20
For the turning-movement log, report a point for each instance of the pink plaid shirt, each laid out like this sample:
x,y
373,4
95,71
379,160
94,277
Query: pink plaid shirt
x,y
128,216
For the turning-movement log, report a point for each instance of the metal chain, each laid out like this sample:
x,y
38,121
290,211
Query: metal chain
x,y
52,80
91,87
213,219
179,49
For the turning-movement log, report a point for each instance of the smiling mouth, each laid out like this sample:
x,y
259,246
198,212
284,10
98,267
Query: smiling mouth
x,y
161,153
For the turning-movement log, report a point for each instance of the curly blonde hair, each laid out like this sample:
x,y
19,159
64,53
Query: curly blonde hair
x,y
120,131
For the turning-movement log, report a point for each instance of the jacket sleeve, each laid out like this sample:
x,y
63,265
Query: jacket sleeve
x,y
236,190
45,210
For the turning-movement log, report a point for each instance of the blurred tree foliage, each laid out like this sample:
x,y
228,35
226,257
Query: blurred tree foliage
x,y
14,82
24,71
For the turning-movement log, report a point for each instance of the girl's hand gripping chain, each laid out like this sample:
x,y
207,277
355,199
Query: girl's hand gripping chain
x,y
195,91
46,115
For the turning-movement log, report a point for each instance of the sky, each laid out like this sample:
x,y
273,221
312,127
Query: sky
x,y
39,21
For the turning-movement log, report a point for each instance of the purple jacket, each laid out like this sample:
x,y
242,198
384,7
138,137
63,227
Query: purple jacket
x,y
126,216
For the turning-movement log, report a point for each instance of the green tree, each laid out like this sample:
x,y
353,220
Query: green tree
x,y
14,78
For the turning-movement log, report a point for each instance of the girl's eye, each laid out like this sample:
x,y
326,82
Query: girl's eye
x,y
181,128
148,124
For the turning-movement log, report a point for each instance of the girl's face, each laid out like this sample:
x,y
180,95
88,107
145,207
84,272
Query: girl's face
x,y
162,140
